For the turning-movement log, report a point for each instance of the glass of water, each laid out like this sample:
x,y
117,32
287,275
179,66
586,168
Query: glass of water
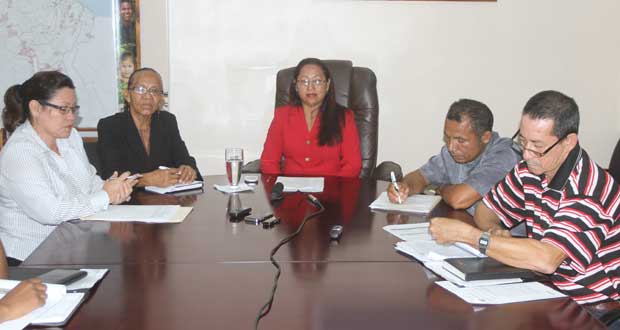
x,y
234,162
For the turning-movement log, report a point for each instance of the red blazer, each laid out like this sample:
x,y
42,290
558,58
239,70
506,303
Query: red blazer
x,y
288,139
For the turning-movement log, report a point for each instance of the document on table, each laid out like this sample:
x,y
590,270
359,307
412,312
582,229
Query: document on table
x,y
302,184
502,294
142,213
420,244
57,310
413,204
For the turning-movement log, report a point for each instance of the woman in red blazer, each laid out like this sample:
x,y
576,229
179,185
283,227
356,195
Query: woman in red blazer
x,y
313,135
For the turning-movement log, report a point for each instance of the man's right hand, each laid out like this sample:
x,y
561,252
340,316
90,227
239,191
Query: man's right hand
x,y
22,299
393,195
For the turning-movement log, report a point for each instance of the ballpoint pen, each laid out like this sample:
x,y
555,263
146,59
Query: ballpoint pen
x,y
395,186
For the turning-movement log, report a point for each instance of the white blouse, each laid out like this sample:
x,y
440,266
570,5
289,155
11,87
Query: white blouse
x,y
40,189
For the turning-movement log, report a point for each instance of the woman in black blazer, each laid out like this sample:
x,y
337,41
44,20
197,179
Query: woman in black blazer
x,y
143,139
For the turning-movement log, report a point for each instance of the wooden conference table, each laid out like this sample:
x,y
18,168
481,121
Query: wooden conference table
x,y
210,273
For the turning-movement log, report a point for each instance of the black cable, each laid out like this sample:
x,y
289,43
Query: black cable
x,y
266,308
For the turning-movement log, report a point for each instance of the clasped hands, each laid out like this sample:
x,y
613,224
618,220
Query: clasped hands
x,y
165,177
119,187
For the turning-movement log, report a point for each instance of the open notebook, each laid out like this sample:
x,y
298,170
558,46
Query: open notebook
x,y
58,309
413,204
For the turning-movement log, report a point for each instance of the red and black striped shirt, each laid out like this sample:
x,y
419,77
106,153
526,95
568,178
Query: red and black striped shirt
x,y
575,212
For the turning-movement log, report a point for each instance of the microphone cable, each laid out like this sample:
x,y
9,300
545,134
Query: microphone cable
x,y
266,308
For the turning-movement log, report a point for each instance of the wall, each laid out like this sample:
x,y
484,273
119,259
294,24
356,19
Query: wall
x,y
224,57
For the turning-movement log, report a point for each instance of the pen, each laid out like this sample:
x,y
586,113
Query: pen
x,y
395,186
167,168
134,176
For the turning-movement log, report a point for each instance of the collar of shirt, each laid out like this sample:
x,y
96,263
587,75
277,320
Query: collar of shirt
x,y
561,176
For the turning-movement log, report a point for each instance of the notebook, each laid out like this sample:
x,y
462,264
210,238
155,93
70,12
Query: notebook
x,y
472,269
57,310
413,204
175,188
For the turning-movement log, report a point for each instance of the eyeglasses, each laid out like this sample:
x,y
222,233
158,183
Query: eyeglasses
x,y
517,145
141,90
315,82
64,110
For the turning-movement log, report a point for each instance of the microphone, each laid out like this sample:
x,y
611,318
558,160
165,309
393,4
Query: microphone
x,y
315,201
276,192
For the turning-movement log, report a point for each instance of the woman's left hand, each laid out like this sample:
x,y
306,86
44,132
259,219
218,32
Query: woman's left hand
x,y
186,174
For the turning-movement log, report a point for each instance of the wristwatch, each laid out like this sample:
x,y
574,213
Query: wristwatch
x,y
483,242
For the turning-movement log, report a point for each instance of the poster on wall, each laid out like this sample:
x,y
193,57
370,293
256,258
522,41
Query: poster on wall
x,y
128,38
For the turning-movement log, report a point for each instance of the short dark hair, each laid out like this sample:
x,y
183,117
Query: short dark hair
x,y
332,113
479,115
42,86
563,110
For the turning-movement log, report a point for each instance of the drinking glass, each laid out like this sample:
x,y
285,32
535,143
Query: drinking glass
x,y
234,162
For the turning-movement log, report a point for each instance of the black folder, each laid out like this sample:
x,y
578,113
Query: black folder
x,y
472,269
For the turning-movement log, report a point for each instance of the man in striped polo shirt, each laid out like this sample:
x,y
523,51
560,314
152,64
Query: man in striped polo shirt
x,y
569,204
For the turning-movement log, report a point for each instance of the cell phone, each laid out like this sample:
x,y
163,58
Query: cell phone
x,y
257,219
271,222
62,276
239,213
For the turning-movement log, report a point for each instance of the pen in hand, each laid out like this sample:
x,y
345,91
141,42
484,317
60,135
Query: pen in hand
x,y
395,184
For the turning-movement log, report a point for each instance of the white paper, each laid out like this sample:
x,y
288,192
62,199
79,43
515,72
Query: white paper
x,y
503,293
418,233
93,276
303,184
230,189
175,188
410,231
437,268
413,204
141,213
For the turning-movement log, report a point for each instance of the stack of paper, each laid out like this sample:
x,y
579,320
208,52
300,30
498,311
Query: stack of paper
x,y
175,188
142,213
502,294
302,184
419,244
413,204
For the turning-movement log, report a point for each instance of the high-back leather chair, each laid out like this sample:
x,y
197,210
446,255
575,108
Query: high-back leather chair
x,y
356,89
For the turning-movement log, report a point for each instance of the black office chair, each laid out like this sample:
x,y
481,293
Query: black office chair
x,y
356,89
614,163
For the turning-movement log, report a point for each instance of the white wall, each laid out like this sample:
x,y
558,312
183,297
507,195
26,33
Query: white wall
x,y
224,56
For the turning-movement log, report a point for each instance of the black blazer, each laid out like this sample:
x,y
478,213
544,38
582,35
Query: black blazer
x,y
120,147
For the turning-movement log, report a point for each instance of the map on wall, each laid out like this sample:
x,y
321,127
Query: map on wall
x,y
73,36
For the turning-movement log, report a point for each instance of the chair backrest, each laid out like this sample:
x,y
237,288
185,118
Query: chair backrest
x,y
356,89
90,146
614,163
3,137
